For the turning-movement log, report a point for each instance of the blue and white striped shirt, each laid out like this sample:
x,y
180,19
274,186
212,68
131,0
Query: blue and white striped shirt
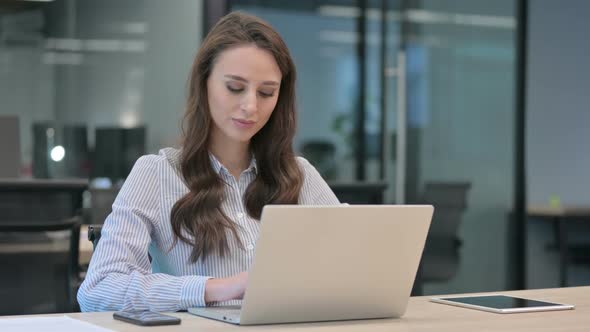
x,y
121,277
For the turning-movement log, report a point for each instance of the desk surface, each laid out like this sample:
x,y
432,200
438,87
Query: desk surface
x,y
560,211
422,315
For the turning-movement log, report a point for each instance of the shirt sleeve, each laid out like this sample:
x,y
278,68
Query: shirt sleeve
x,y
120,275
315,190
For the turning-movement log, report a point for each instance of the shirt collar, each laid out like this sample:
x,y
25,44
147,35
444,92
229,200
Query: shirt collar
x,y
218,166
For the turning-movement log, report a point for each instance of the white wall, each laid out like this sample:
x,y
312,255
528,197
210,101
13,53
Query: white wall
x,y
26,90
558,101
463,77
471,138
174,40
558,118
139,87
105,88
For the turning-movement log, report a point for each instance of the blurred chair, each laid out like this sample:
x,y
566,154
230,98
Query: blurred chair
x,y
34,243
359,192
94,234
322,155
579,254
115,151
102,200
40,266
441,258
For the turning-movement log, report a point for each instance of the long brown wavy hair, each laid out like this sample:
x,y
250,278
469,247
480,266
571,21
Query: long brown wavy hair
x,y
197,218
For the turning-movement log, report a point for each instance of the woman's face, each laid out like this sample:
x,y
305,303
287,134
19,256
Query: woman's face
x,y
243,89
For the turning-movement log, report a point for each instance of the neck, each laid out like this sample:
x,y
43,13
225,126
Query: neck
x,y
234,156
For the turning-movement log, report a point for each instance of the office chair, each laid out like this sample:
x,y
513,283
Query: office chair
x,y
94,234
359,192
41,266
322,155
115,151
102,200
441,256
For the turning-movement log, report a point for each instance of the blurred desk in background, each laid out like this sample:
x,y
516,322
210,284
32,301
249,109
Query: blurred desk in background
x,y
40,199
560,216
544,211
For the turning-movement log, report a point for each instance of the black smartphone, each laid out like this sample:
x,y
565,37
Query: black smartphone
x,y
146,318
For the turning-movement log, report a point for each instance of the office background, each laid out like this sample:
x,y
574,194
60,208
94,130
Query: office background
x,y
557,114
123,65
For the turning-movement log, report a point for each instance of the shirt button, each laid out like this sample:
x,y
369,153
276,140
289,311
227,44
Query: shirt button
x,y
250,246
240,215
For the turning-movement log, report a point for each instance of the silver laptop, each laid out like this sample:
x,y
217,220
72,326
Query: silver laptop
x,y
325,263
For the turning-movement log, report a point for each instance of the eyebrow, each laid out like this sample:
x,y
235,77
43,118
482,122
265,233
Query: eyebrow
x,y
241,79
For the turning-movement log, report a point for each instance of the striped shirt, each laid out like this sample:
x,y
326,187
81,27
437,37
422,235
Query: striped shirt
x,y
121,276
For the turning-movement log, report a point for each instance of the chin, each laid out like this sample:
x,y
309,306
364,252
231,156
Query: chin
x,y
242,138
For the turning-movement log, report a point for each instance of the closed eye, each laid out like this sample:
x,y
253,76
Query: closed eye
x,y
266,94
234,90
239,89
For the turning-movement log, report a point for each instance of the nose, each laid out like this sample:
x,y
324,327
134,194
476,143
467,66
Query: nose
x,y
250,102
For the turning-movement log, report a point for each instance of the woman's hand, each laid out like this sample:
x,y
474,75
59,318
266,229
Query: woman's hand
x,y
224,289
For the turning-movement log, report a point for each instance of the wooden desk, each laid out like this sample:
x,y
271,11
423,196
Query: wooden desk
x,y
559,216
421,315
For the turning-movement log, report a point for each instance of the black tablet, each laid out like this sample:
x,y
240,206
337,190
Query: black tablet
x,y
502,304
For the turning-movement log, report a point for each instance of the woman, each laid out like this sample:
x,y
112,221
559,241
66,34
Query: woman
x,y
196,210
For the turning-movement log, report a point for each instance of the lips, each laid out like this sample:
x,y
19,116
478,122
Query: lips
x,y
243,124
